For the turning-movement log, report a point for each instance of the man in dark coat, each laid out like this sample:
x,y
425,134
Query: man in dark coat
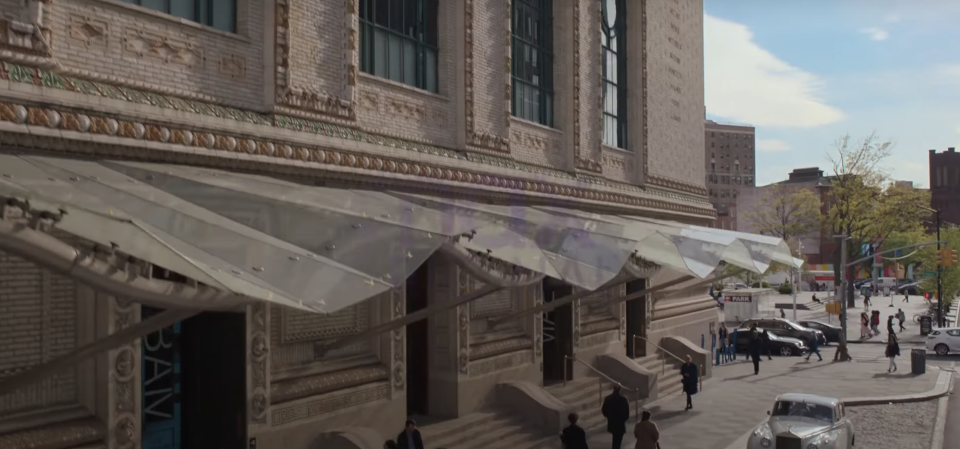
x,y
690,376
755,344
573,436
617,411
410,437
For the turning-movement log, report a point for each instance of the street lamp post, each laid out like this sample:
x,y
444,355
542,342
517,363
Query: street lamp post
x,y
940,322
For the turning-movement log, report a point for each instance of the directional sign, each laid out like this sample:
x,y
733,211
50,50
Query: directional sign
x,y
929,274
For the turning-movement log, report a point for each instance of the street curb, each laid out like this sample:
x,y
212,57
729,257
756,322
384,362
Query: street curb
x,y
940,389
941,424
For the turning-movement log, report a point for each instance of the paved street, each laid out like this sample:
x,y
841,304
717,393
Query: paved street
x,y
735,400
895,426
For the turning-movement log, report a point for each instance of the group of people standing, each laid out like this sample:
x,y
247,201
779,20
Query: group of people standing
x,y
870,323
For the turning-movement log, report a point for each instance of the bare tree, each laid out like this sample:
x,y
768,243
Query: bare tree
x,y
787,212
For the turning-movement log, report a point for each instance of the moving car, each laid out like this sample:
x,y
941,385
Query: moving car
x,y
784,346
787,328
944,340
804,421
830,332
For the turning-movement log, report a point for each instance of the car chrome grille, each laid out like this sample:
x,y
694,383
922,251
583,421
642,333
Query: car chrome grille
x,y
789,442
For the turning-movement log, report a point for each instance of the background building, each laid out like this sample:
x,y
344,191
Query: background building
x,y
730,152
452,97
945,184
818,247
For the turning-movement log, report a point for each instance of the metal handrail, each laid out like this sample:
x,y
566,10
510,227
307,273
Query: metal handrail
x,y
663,361
636,392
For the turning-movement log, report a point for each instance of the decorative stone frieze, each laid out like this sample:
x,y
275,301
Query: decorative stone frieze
x,y
258,365
124,386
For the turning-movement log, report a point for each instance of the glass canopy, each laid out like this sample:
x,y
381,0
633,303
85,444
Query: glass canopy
x,y
323,249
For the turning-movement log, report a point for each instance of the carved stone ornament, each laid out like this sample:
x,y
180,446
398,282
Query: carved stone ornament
x,y
464,338
125,431
487,269
641,268
538,321
398,296
576,323
258,346
124,363
258,405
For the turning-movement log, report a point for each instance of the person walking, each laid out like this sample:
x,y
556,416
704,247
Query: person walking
x,y
892,352
646,433
890,325
755,344
690,374
410,437
617,411
724,337
875,322
573,436
901,317
814,348
906,296
765,344
864,326
733,344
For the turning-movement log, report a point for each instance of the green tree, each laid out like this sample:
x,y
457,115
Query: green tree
x,y
787,212
950,276
865,206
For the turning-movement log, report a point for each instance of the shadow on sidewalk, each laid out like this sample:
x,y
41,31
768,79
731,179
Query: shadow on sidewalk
x,y
896,376
807,366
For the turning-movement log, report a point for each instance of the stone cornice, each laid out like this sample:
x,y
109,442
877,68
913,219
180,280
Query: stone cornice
x,y
540,180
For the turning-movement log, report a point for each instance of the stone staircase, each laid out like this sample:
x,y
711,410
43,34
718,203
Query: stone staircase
x,y
668,383
485,430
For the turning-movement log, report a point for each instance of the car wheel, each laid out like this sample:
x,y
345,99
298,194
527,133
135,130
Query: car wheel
x,y
941,349
786,351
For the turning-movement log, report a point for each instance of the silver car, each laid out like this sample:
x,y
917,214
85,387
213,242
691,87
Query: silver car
x,y
804,421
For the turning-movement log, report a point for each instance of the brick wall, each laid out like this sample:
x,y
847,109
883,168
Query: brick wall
x,y
38,322
134,44
675,89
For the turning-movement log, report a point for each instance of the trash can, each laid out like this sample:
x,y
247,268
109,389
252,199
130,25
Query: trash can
x,y
918,361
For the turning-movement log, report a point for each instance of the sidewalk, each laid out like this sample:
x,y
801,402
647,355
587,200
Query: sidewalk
x,y
735,400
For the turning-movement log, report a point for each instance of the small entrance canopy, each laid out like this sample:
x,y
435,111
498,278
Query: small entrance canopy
x,y
322,249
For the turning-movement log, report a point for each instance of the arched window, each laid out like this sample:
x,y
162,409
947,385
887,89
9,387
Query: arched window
x,y
612,38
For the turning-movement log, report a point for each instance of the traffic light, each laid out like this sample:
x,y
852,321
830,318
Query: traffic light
x,y
946,257
950,257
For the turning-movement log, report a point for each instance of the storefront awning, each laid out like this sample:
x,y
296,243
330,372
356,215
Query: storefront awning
x,y
323,249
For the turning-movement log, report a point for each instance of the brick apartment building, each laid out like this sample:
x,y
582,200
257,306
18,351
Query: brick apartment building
x,y
222,170
730,153
945,184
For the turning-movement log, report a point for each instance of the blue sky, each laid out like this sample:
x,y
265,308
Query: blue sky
x,y
808,72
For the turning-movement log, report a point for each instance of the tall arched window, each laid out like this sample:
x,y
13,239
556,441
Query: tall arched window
x,y
613,28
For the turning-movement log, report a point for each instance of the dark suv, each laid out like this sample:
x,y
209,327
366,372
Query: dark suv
x,y
787,328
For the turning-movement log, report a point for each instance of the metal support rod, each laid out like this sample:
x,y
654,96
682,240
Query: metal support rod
x,y
795,280
121,337
940,322
412,317
547,306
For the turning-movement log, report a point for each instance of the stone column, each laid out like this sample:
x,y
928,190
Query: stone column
x,y
533,297
449,334
124,381
258,369
637,87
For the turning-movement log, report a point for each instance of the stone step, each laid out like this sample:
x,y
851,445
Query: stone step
x,y
445,430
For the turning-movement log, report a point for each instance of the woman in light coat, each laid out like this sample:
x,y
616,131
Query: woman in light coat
x,y
646,432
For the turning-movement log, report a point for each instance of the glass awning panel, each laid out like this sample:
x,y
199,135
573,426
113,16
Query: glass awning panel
x,y
576,252
384,237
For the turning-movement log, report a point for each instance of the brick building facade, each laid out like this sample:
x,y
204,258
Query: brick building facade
x,y
729,154
945,184
344,95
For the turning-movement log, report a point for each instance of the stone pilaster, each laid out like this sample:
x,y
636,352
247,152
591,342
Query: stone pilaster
x,y
533,297
393,348
449,338
258,369
124,382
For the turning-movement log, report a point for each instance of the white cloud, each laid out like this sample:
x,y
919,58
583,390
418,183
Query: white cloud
x,y
745,83
875,33
772,145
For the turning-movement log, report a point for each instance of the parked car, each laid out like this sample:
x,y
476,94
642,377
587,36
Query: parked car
x,y
858,284
830,332
787,328
784,346
944,340
804,421
908,285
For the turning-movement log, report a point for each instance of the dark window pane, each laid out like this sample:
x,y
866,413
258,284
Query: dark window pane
x,y
157,5
224,15
397,12
430,23
381,13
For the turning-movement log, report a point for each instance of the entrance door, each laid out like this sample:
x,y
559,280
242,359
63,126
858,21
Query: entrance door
x,y
194,383
213,347
161,388
557,333
636,319
418,344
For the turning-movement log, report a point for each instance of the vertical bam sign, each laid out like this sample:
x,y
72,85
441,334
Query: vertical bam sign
x,y
161,387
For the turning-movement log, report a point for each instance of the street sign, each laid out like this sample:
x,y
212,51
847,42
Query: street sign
x,y
929,274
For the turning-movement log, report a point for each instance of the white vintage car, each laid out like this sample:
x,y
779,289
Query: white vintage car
x,y
804,421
